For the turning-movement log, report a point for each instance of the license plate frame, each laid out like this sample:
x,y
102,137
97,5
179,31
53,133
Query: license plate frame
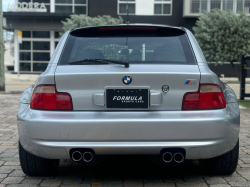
x,y
138,103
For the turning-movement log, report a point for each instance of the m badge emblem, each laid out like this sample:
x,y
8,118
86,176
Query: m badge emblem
x,y
190,81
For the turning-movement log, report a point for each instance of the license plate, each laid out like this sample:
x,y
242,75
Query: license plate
x,y
127,98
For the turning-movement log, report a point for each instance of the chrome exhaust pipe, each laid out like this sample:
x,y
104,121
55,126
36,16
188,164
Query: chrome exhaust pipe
x,y
178,157
87,156
76,156
167,157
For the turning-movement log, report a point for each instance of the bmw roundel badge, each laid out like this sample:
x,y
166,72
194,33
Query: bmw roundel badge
x,y
127,80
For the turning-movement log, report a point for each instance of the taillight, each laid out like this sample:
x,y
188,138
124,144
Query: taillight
x,y
209,96
45,97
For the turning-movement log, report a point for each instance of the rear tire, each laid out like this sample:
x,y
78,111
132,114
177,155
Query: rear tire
x,y
36,166
225,164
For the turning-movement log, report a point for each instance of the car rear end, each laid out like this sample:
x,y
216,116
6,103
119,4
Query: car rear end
x,y
167,103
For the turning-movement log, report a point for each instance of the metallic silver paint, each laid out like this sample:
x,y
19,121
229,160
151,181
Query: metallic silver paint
x,y
99,99
155,98
196,49
81,82
211,131
203,134
48,76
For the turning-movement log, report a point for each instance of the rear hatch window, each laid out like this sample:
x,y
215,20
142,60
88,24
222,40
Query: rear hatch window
x,y
145,45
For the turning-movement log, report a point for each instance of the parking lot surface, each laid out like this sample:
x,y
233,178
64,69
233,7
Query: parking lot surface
x,y
120,171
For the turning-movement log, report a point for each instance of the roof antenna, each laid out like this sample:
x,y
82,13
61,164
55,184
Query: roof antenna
x,y
127,14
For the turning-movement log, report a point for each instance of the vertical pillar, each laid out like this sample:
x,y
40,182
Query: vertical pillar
x,y
243,78
16,51
2,74
52,6
209,6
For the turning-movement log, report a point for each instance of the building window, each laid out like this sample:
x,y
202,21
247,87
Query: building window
x,y
56,43
46,3
237,6
247,7
41,34
41,46
71,6
57,38
228,5
25,55
25,45
41,56
34,51
123,5
25,67
163,7
243,6
199,6
215,4
57,34
26,34
39,66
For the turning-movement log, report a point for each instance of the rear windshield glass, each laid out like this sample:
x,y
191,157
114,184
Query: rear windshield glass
x,y
134,49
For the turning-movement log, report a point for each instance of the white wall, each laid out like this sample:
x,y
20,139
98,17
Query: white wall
x,y
16,51
144,7
8,58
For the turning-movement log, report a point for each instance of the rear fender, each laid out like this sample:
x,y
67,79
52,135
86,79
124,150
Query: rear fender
x,y
24,103
27,94
209,77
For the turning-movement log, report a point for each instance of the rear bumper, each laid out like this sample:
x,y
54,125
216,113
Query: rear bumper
x,y
203,134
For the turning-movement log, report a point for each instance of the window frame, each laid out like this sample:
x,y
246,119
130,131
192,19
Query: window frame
x,y
162,2
235,6
31,51
191,3
243,7
125,2
73,4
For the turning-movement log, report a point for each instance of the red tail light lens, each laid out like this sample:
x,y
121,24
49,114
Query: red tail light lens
x,y
45,97
208,97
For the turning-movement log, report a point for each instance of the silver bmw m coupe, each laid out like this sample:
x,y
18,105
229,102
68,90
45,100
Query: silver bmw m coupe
x,y
128,90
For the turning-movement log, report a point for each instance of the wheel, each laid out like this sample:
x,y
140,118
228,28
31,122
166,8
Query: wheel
x,y
36,166
225,164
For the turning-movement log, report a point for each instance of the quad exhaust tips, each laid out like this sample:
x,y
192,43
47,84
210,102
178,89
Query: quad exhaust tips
x,y
167,157
173,155
76,156
85,156
178,157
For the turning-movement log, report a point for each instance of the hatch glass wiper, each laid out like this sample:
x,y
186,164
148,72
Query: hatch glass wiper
x,y
101,61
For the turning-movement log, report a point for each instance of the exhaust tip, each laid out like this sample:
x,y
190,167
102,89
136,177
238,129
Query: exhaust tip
x,y
87,156
76,156
167,157
178,157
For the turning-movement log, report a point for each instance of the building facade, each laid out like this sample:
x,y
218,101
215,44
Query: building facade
x,y
40,21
